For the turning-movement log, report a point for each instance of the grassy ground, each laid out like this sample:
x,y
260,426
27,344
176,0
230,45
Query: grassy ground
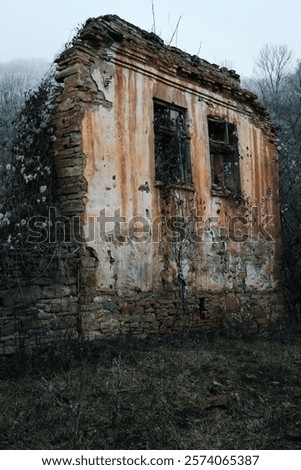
x,y
155,394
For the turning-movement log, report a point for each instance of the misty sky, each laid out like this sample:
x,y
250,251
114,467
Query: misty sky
x,y
231,32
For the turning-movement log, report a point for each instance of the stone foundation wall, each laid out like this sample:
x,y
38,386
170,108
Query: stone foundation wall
x,y
53,316
35,316
39,297
146,313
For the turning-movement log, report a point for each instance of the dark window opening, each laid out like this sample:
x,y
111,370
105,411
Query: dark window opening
x,y
202,308
172,158
224,156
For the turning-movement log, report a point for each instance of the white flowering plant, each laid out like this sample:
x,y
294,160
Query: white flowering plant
x,y
29,173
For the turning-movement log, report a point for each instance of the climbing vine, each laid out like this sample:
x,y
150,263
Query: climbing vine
x,y
29,172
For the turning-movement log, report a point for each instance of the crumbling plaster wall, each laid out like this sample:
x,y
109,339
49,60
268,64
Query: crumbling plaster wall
x,y
119,144
118,149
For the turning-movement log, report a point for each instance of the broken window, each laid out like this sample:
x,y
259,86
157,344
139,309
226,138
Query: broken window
x,y
172,159
224,155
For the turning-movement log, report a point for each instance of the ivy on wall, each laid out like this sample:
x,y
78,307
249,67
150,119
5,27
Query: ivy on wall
x,y
28,176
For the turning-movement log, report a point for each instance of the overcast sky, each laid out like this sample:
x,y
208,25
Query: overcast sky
x,y
231,32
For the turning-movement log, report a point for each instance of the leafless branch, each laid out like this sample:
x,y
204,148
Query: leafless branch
x,y
154,17
175,31
199,49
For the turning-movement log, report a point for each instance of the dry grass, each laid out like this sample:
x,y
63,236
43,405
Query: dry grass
x,y
171,394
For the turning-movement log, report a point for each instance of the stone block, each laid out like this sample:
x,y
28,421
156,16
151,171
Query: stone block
x,y
139,310
25,295
166,296
110,306
232,302
149,317
161,313
56,291
72,207
259,312
129,307
168,322
154,327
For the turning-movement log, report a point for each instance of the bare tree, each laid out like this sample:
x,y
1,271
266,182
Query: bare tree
x,y
278,85
16,78
273,68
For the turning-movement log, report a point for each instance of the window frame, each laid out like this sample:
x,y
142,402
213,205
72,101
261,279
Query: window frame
x,y
175,170
224,157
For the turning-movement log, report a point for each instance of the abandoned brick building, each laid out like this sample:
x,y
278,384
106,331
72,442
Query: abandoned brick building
x,y
167,186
